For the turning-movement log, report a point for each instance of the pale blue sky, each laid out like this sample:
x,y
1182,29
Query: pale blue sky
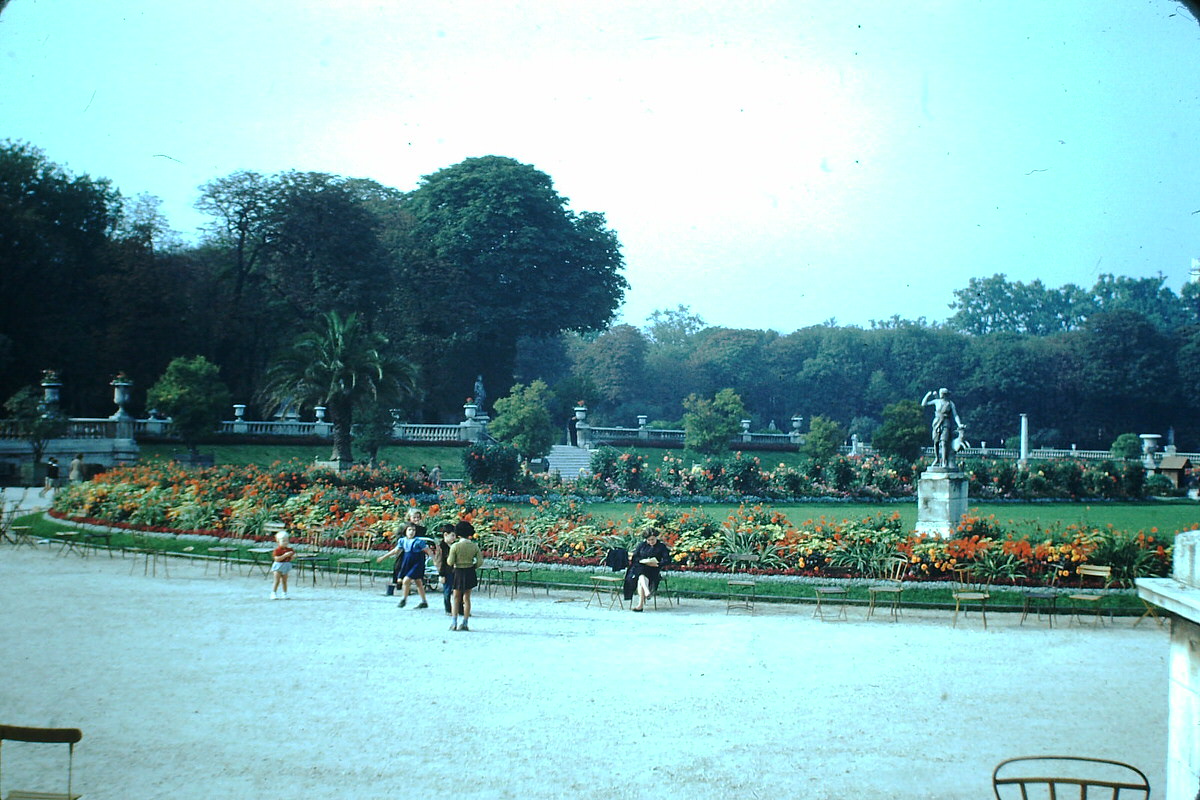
x,y
770,164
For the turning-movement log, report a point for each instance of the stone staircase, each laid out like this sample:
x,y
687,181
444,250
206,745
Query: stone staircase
x,y
567,461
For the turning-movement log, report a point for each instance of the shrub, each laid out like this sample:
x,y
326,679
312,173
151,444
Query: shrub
x,y
496,465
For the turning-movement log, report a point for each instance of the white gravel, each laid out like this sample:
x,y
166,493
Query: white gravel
x,y
199,686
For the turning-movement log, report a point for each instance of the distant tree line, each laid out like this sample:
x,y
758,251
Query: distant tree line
x,y
483,269
1124,358
450,275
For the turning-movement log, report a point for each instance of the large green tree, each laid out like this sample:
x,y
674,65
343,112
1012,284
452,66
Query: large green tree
x,y
493,254
340,363
54,238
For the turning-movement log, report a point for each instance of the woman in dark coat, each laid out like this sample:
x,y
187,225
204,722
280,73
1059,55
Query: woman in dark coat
x,y
645,566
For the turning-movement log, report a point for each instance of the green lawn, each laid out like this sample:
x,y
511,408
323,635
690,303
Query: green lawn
x,y
1168,516
410,457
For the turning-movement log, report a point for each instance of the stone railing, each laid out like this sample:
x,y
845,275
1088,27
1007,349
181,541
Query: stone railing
x,y
403,431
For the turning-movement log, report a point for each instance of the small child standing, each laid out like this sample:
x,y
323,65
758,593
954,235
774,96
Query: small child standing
x,y
281,566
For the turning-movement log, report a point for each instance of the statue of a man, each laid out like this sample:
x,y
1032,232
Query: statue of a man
x,y
480,394
947,428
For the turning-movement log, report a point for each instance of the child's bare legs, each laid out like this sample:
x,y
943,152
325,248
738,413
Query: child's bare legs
x,y
420,589
404,585
283,580
461,605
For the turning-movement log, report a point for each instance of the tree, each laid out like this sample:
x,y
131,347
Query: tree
x,y
824,440
523,419
1126,369
37,423
240,205
997,305
494,254
709,424
614,361
375,428
1127,445
323,251
54,235
338,364
192,394
674,327
903,432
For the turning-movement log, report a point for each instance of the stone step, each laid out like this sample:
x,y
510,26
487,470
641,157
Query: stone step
x,y
568,461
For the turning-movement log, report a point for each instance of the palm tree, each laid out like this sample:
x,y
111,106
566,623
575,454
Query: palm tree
x,y
338,364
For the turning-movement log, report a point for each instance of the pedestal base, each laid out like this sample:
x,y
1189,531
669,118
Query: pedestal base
x,y
941,501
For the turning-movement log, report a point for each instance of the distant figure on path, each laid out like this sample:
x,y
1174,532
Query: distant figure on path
x,y
435,477
75,470
947,427
51,476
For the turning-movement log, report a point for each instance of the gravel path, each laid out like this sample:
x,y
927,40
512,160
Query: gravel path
x,y
200,686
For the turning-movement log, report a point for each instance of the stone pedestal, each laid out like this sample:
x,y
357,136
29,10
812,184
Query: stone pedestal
x,y
1180,595
941,501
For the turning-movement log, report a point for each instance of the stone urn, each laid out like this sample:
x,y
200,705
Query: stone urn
x,y
51,388
122,394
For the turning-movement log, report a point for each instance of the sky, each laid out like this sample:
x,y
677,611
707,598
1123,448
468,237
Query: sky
x,y
766,164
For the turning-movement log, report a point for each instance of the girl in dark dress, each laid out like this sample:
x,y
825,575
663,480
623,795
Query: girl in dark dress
x,y
646,565
410,555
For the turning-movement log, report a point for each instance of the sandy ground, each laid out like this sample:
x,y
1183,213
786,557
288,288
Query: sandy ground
x,y
198,686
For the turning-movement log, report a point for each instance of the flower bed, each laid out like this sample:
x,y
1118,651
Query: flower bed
x,y
227,501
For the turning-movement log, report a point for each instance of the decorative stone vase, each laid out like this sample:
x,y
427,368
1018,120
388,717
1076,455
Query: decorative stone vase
x,y
51,387
470,410
320,412
642,420
796,422
1149,448
121,395
581,413
239,411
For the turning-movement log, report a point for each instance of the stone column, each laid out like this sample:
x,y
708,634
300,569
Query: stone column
x,y
1180,596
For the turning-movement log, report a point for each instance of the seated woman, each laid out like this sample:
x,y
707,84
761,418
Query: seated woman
x,y
645,566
